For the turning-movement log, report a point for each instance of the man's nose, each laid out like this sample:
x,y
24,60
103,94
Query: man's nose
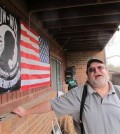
x,y
96,70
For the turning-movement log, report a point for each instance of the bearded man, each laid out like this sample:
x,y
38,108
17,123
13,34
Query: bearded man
x,y
101,112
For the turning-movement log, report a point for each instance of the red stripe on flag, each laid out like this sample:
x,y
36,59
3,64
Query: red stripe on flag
x,y
35,67
33,40
30,56
24,33
28,36
36,85
25,44
26,77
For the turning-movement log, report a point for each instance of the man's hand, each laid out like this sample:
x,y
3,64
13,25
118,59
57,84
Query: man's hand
x,y
20,111
37,109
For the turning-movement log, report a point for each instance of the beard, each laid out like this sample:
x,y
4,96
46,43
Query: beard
x,y
99,82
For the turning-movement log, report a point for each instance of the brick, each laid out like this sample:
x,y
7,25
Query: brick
x,y
4,98
18,93
14,95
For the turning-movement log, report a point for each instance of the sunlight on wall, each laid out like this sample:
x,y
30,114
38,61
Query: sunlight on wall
x,y
112,50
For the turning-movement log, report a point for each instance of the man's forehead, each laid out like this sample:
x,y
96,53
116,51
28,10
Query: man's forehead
x,y
96,64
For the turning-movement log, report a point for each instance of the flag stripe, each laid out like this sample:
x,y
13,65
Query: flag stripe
x,y
35,85
29,51
34,67
26,55
30,61
26,77
25,44
34,73
35,81
27,40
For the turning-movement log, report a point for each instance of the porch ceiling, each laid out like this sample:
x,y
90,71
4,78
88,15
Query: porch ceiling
x,y
78,25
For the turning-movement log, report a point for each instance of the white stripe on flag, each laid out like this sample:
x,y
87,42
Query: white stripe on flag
x,y
34,62
29,51
35,81
31,72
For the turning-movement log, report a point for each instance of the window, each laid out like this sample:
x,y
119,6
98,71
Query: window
x,y
56,75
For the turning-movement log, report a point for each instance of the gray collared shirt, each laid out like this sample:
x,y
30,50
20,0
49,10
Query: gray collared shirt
x,y
100,115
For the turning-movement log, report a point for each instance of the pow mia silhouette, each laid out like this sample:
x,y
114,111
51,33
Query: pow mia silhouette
x,y
8,52
9,64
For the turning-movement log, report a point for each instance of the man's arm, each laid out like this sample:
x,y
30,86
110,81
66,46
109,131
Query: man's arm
x,y
38,109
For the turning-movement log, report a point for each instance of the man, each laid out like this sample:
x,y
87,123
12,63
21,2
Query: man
x,y
101,113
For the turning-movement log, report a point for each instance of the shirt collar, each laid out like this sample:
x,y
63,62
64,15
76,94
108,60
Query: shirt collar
x,y
91,90
112,89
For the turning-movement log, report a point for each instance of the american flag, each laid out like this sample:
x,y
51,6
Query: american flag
x,y
34,72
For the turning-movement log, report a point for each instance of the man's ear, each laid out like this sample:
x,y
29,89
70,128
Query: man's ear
x,y
87,72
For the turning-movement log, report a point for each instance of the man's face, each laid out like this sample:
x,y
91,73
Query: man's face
x,y
97,75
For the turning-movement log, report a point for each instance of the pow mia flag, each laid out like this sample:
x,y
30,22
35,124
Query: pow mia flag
x,y
9,51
